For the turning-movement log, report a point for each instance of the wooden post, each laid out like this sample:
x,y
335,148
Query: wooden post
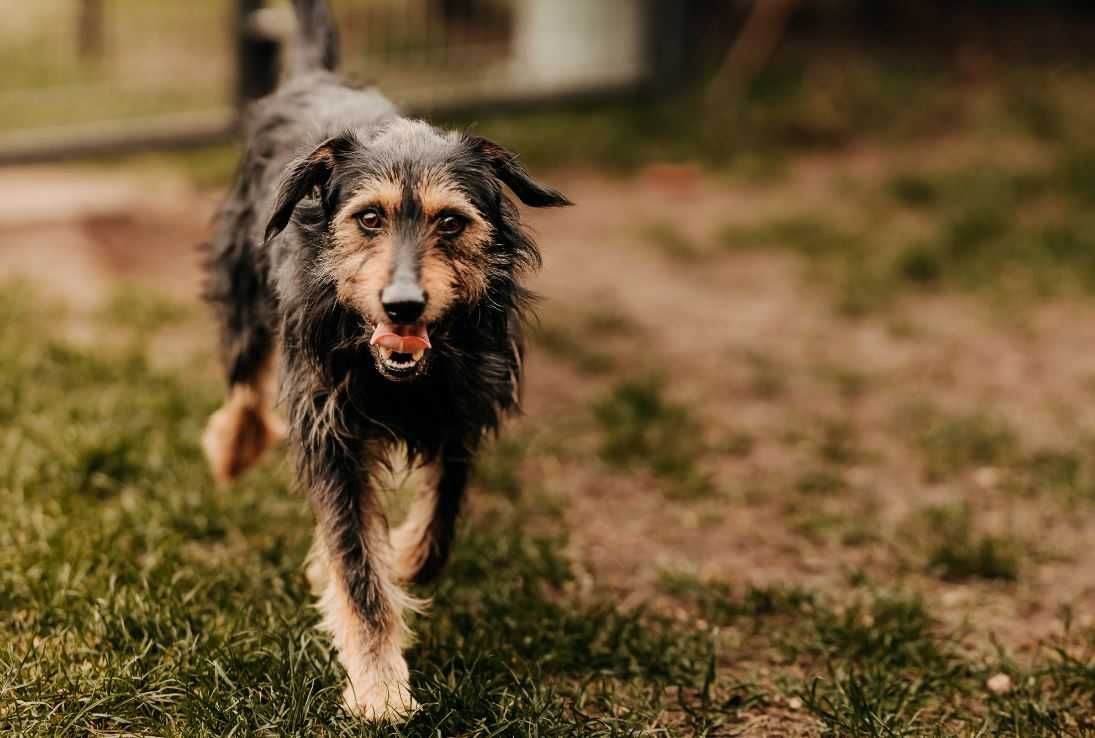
x,y
258,58
90,30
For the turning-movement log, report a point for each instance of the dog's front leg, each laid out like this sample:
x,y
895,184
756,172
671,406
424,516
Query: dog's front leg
x,y
422,542
363,608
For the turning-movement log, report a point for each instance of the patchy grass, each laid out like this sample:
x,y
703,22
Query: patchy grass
x,y
839,443
1018,232
641,428
877,663
1066,474
670,241
951,444
142,601
808,235
498,467
820,482
767,377
577,338
575,348
914,190
739,444
956,552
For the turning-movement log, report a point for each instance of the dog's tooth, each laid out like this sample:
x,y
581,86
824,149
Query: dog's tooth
x,y
418,354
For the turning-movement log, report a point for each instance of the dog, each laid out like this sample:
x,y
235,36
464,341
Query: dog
x,y
373,263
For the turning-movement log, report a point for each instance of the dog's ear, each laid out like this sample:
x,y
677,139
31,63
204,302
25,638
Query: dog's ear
x,y
508,170
302,177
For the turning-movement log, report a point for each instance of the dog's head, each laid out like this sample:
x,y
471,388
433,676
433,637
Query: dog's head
x,y
416,226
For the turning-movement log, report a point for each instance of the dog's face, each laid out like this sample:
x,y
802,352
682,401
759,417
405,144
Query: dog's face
x,y
416,225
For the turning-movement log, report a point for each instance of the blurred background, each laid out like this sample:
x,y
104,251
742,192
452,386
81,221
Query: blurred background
x,y
813,376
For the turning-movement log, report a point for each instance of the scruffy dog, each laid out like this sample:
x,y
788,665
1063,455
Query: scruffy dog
x,y
381,259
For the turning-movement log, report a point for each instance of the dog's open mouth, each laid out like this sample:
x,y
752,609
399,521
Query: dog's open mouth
x,y
400,349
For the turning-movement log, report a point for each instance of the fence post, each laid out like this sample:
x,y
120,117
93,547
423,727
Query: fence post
x,y
684,38
664,37
257,56
90,25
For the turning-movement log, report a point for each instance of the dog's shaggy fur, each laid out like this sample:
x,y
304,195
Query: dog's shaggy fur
x,y
348,221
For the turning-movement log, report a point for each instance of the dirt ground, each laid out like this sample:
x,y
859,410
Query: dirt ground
x,y
756,351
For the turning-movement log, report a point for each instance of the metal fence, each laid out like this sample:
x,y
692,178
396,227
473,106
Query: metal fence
x,y
89,76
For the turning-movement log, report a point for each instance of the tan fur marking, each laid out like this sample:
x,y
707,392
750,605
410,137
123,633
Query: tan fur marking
x,y
384,193
438,280
378,677
438,195
464,278
243,427
410,542
362,267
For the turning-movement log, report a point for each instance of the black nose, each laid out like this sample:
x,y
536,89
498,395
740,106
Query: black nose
x,y
404,303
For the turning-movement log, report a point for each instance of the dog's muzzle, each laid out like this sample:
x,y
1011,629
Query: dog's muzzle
x,y
400,349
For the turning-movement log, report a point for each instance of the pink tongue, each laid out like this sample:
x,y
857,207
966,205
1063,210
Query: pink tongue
x,y
403,339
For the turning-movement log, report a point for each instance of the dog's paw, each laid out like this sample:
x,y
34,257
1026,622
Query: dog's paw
x,y
380,702
276,429
236,436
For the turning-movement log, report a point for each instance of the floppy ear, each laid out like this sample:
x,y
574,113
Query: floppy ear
x,y
508,169
300,179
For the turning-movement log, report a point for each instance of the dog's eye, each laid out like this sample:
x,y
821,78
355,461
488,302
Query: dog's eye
x,y
370,220
451,225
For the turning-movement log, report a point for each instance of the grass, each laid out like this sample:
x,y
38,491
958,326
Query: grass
x,y
995,227
142,601
877,663
820,482
580,338
641,428
561,341
951,444
956,552
914,190
670,241
1064,474
498,469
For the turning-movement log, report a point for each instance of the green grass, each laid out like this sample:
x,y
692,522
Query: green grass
x,y
580,338
670,241
498,469
1066,474
1008,231
139,600
873,662
142,601
577,349
957,552
914,191
820,482
952,444
641,428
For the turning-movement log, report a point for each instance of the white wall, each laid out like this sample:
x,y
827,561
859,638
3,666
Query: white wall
x,y
578,43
